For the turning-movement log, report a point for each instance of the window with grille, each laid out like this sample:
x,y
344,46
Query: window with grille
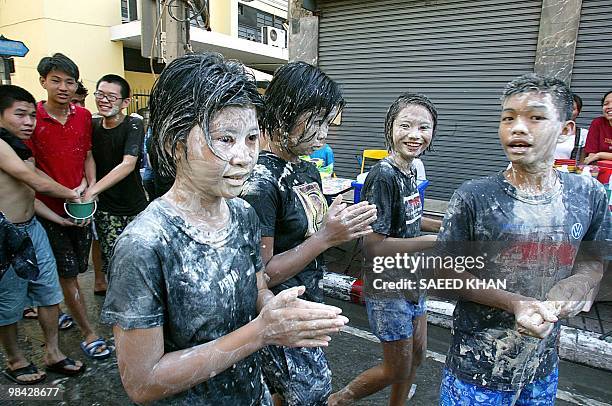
x,y
129,10
250,21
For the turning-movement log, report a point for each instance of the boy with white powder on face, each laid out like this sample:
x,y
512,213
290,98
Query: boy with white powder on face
x,y
116,146
186,295
543,225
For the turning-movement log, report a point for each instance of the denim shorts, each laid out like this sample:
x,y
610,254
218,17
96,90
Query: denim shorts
x,y
392,319
300,375
17,293
454,392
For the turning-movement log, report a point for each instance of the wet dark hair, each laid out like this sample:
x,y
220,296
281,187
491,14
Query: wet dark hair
x,y
402,101
81,89
295,89
9,94
603,99
118,80
59,62
188,93
534,83
578,100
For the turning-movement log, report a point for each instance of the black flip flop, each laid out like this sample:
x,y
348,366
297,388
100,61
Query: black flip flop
x,y
100,292
60,367
28,312
13,374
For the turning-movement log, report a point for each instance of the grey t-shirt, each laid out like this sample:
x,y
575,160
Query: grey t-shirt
x,y
198,286
532,243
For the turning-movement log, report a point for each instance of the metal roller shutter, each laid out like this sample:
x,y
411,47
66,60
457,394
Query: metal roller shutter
x,y
592,74
459,53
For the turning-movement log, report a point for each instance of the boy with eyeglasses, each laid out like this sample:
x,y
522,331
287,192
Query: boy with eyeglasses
x,y
61,145
117,142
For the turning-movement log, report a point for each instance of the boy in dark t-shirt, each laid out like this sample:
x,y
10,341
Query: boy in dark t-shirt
x,y
533,224
116,146
398,319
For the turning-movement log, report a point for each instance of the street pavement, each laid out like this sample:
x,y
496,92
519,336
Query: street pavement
x,y
349,354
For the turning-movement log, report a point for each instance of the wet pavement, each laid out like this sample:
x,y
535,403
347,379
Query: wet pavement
x,y
349,354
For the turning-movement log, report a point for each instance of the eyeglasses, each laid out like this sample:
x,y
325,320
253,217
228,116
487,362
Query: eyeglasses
x,y
110,97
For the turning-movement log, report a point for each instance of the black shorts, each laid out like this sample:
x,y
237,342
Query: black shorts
x,y
70,247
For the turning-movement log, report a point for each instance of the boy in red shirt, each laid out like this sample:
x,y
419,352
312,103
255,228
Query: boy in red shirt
x,y
62,147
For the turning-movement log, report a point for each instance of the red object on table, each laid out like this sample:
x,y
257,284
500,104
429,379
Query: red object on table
x,y
357,292
605,171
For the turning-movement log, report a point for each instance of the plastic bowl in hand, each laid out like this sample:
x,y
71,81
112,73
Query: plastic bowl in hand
x,y
80,211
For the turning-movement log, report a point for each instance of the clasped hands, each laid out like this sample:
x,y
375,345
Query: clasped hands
x,y
566,299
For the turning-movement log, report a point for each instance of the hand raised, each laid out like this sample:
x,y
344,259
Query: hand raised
x,y
570,295
292,322
344,224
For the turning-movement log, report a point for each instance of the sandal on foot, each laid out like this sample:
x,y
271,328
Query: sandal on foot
x,y
64,322
30,314
100,292
91,349
60,367
14,374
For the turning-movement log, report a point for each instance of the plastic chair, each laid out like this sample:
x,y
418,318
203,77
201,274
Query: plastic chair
x,y
377,154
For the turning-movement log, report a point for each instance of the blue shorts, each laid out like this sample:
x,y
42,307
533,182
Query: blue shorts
x,y
454,392
17,293
393,319
300,375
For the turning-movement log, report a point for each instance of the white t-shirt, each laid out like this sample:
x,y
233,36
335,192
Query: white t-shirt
x,y
417,164
564,149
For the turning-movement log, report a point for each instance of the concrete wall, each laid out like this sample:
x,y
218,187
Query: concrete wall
x,y
140,82
221,15
557,38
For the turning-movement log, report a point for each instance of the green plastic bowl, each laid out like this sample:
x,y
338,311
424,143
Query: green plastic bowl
x,y
80,211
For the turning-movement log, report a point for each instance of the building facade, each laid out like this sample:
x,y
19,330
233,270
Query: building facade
x,y
104,36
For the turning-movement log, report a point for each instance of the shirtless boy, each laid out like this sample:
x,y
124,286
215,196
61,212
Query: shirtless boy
x,y
19,180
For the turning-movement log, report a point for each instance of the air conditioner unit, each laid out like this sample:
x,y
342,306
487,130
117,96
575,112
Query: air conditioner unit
x,y
273,36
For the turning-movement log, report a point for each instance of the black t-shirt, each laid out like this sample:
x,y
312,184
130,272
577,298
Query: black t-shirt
x,y
398,212
532,244
127,197
198,286
289,201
